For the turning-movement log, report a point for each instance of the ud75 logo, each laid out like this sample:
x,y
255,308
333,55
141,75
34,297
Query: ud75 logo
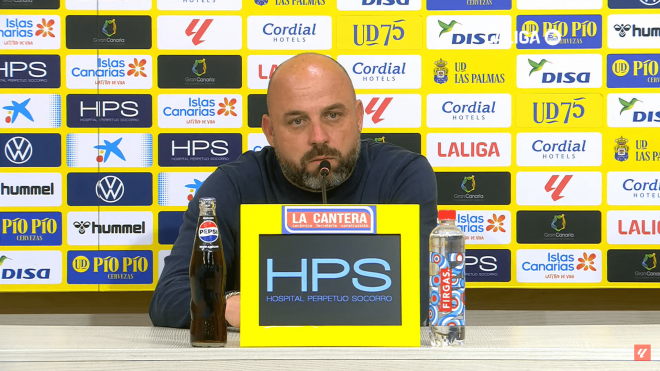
x,y
336,219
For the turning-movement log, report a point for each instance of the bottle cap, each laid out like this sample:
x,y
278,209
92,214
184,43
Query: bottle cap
x,y
447,214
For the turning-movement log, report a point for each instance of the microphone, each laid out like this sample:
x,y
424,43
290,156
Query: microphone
x,y
324,170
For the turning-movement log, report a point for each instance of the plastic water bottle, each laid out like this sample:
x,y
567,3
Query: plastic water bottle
x,y
447,282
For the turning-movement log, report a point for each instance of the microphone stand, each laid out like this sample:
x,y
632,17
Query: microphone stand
x,y
325,197
324,170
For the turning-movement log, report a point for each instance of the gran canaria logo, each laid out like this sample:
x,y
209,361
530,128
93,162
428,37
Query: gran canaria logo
x,y
199,68
559,223
649,262
468,184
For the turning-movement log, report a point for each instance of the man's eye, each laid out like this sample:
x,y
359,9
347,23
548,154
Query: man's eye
x,y
334,115
296,122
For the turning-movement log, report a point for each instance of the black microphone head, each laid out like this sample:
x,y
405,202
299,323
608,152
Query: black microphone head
x,y
324,167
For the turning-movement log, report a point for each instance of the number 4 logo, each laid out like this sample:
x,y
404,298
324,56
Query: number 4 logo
x,y
642,352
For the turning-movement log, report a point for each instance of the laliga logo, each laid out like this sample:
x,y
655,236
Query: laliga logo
x,y
208,231
530,35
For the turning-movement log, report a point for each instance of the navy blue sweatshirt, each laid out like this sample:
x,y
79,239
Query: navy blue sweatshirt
x,y
384,174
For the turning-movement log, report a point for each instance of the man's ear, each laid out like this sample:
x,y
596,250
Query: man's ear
x,y
267,128
360,114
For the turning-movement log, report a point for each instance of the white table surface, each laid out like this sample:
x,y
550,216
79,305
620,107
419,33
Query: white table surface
x,y
499,347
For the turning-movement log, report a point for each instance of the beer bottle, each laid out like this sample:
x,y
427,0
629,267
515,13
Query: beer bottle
x,y
208,273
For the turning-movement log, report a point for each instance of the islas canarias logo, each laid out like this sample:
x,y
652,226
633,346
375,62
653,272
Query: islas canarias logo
x,y
109,71
468,32
30,32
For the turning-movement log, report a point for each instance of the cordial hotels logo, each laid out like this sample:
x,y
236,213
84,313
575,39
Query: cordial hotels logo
x,y
556,188
379,32
380,5
108,32
109,71
109,189
633,31
451,150
468,110
468,32
30,267
558,227
199,32
559,266
635,4
30,32
565,110
202,111
20,111
31,229
485,227
560,5
261,68
110,267
198,149
633,110
391,111
108,4
464,73
639,227
383,71
468,4
115,150
108,110
572,31
559,149
30,189
29,71
199,5
633,188
633,70
286,33
178,189
552,71
30,150
110,228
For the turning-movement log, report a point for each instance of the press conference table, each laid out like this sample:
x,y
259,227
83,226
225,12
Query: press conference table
x,y
487,348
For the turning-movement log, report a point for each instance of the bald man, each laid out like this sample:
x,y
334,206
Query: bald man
x,y
313,115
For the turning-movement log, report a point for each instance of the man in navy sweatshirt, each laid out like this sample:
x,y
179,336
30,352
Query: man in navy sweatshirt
x,y
313,115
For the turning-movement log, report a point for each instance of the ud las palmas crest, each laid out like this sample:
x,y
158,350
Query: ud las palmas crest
x,y
440,72
621,149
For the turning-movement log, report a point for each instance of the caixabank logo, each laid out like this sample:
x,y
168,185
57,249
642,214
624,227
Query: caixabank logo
x,y
468,110
31,229
488,265
289,33
200,71
30,267
30,31
633,31
111,267
558,227
198,149
380,5
559,111
108,5
468,32
379,32
483,227
108,110
463,150
559,149
633,188
109,189
474,188
383,71
559,266
456,70
198,5
123,228
573,31
468,4
633,71
30,4
633,110
385,111
634,4
30,150
30,111
29,71
109,71
109,150
30,189
555,71
559,188
410,141
633,265
108,32
200,111
178,189
199,32
639,227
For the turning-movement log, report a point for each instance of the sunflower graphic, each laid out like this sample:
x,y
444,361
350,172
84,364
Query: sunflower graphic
x,y
137,68
45,28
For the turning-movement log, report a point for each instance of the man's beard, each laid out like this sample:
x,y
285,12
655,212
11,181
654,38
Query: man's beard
x,y
298,175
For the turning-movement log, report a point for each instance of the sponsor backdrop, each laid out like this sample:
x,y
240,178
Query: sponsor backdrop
x,y
541,120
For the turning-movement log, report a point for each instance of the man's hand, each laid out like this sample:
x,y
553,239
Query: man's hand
x,y
233,311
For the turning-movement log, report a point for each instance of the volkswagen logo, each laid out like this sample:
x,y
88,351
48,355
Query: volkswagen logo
x,y
110,189
18,150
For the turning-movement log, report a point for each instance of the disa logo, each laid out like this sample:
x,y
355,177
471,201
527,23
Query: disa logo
x,y
633,110
380,5
559,70
468,32
30,267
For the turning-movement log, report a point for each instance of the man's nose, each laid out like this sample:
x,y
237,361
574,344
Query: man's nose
x,y
318,134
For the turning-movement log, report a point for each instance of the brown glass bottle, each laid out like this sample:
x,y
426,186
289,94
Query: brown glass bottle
x,y
208,273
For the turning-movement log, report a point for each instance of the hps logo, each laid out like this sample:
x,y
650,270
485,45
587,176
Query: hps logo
x,y
29,71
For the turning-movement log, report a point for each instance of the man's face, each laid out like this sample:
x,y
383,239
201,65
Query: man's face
x,y
314,118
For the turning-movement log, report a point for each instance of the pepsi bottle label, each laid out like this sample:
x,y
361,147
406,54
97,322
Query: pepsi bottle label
x,y
208,231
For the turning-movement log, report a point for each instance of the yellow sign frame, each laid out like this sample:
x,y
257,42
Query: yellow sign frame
x,y
390,219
